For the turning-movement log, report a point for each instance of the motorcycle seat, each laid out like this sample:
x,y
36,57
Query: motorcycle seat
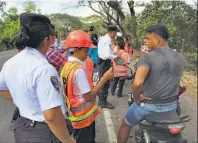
x,y
163,117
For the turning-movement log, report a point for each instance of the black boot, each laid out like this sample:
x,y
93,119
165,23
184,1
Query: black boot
x,y
119,95
106,105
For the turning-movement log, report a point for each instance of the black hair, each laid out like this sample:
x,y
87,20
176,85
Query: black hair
x,y
128,38
118,38
120,42
33,34
91,29
158,29
144,39
56,34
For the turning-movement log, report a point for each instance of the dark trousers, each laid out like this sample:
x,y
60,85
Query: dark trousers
x,y
39,132
85,135
95,65
114,84
104,66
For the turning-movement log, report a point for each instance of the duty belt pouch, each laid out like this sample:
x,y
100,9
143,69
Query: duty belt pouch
x,y
16,114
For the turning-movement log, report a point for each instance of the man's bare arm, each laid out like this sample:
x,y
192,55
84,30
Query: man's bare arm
x,y
137,85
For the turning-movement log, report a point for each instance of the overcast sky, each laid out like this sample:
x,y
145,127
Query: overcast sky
x,y
61,6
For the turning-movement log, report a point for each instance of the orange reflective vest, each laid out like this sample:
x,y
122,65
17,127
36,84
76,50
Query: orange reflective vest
x,y
81,112
120,70
90,66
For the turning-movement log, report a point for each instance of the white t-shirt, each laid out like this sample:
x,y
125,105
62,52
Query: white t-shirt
x,y
81,85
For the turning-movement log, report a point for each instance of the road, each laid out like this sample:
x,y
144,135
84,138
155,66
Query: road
x,y
108,122
6,107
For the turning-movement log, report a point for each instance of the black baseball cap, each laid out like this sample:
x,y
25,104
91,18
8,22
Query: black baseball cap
x,y
111,28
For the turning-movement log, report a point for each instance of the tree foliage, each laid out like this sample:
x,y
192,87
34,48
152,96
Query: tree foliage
x,y
9,25
112,12
94,20
30,7
65,23
181,21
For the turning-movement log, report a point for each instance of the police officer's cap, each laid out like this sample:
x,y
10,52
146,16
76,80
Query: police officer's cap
x,y
112,28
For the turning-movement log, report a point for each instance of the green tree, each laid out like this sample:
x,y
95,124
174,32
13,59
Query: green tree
x,y
114,12
181,21
65,23
2,6
10,25
94,20
30,7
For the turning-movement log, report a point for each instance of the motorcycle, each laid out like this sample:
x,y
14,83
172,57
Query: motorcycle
x,y
163,127
131,76
160,127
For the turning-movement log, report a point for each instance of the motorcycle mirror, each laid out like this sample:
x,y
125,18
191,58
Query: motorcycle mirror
x,y
119,61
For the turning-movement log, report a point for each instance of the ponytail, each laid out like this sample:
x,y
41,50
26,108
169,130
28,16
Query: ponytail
x,y
22,39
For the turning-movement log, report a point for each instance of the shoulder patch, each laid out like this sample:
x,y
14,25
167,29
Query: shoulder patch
x,y
55,82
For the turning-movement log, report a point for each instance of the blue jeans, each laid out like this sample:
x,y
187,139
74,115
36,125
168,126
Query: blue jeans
x,y
136,112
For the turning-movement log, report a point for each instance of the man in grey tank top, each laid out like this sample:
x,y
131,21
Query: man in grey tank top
x,y
156,82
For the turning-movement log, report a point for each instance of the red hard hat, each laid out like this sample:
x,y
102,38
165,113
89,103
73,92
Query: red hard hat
x,y
78,39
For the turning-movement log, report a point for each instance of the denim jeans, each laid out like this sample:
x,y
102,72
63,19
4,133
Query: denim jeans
x,y
136,112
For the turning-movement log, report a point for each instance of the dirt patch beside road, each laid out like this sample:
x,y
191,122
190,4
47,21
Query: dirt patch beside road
x,y
190,81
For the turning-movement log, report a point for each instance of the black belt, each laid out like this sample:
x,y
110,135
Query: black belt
x,y
101,60
107,60
33,123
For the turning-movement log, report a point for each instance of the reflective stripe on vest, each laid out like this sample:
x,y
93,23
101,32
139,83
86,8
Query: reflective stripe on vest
x,y
86,122
82,117
83,106
78,111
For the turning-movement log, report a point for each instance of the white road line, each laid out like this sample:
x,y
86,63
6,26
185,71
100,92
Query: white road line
x,y
110,127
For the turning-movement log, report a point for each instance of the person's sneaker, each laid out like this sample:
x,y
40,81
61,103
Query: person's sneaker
x,y
107,105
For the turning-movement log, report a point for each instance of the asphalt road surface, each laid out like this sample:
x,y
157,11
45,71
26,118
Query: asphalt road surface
x,y
6,107
108,122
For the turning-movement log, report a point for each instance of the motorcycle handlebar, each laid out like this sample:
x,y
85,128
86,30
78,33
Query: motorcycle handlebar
x,y
130,77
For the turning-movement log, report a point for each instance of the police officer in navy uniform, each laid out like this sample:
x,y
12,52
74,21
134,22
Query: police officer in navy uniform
x,y
34,85
105,53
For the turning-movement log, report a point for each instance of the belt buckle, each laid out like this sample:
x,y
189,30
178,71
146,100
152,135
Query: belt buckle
x,y
33,123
